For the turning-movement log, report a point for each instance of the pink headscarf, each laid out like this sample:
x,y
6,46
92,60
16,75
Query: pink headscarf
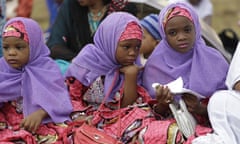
x,y
16,29
177,11
132,31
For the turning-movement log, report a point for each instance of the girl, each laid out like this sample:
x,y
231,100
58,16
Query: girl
x,y
108,57
182,52
32,90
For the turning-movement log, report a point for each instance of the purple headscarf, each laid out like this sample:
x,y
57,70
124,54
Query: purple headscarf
x,y
203,68
98,59
39,82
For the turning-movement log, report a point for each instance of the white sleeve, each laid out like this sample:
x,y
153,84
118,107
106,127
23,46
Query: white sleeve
x,y
234,69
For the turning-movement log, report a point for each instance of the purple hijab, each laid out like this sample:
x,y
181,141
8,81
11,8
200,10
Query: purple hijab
x,y
203,68
98,59
40,82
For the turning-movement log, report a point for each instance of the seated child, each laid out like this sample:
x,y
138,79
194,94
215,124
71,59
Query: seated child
x,y
32,89
183,53
110,65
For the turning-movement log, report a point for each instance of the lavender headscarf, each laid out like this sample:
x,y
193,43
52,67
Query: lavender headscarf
x,y
98,59
39,82
203,68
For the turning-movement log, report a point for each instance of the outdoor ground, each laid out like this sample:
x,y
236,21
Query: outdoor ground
x,y
226,14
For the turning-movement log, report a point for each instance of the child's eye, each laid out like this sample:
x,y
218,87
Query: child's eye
x,y
5,47
126,47
172,33
138,47
188,30
19,47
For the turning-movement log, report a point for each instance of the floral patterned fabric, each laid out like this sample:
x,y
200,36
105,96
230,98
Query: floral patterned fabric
x,y
10,132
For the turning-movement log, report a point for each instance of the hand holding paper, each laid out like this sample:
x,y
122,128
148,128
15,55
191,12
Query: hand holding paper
x,y
176,87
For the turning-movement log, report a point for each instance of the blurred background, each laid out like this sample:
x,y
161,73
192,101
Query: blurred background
x,y
226,14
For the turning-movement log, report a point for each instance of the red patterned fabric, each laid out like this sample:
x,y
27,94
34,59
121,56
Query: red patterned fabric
x,y
9,136
46,133
117,5
131,124
177,11
132,31
16,29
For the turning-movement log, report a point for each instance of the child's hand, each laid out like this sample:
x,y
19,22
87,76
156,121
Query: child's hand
x,y
164,98
32,121
163,95
131,69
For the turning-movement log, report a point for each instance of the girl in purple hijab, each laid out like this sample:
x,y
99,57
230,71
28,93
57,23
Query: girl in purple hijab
x,y
183,53
32,89
109,67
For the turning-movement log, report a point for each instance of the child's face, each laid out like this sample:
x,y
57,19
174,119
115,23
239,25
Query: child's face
x,y
15,52
180,33
148,44
127,51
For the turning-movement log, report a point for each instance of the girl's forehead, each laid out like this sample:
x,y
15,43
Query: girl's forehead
x,y
178,21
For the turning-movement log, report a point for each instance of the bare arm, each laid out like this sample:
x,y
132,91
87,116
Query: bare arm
x,y
130,84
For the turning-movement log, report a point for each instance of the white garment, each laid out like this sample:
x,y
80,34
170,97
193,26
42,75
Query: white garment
x,y
224,106
208,139
224,115
205,7
234,69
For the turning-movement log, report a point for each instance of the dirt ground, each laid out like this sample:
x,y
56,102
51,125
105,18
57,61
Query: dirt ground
x,y
226,14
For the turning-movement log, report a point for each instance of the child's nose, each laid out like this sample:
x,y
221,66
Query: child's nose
x,y
181,36
132,51
12,52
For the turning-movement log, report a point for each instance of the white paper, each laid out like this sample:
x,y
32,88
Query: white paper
x,y
176,87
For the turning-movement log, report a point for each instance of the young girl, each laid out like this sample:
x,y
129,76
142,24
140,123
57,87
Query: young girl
x,y
182,52
32,90
115,52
